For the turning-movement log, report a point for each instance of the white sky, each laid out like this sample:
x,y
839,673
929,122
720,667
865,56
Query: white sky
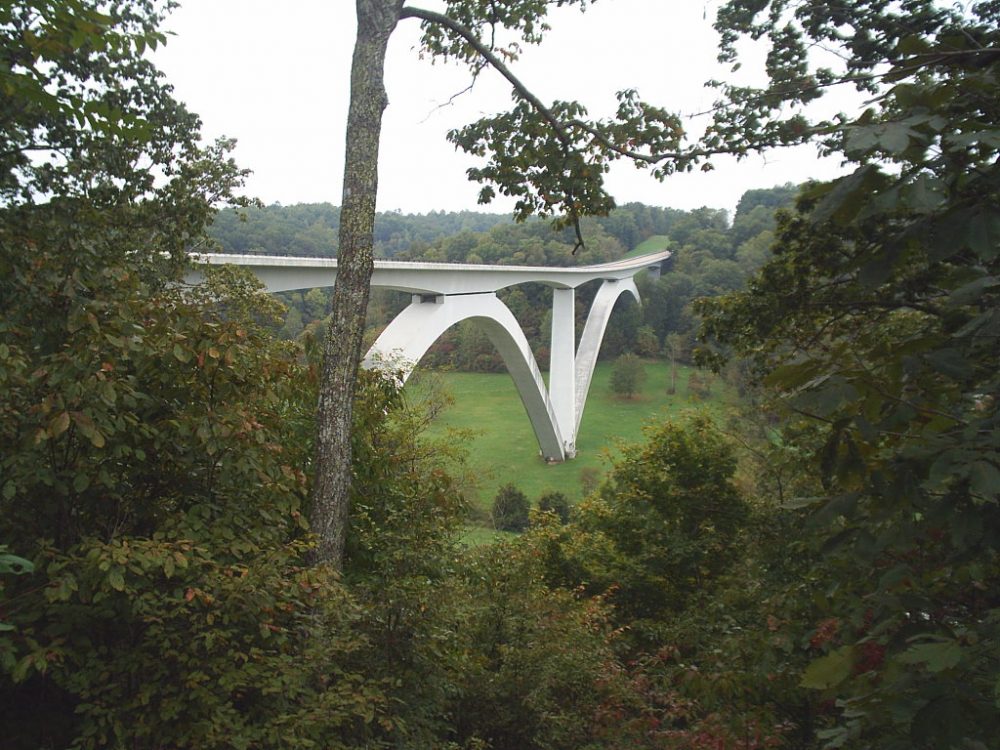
x,y
276,77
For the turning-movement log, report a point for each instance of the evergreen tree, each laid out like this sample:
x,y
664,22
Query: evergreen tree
x,y
510,509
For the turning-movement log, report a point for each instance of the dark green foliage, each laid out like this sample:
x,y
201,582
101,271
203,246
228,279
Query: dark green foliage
x,y
540,672
874,326
590,478
151,439
11,565
150,472
661,529
769,199
510,509
699,385
646,342
555,503
629,376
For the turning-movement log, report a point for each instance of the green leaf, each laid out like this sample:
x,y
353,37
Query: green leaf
x,y
971,292
89,429
936,657
924,194
59,424
982,235
81,482
14,564
831,396
985,480
950,362
116,579
895,137
796,503
860,139
830,670
912,45
940,724
848,196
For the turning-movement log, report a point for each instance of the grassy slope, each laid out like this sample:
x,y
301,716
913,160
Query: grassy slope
x,y
503,447
650,245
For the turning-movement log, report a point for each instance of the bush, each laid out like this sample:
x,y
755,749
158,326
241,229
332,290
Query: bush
x,y
555,502
664,523
510,509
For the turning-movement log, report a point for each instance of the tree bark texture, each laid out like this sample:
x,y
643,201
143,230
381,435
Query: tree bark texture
x,y
342,346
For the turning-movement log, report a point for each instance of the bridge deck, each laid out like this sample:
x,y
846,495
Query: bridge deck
x,y
283,273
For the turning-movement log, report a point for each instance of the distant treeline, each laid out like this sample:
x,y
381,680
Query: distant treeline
x,y
310,229
711,256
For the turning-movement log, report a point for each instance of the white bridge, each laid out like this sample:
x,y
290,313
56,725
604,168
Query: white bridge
x,y
447,293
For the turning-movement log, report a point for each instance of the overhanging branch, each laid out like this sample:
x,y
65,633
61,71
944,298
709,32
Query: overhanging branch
x,y
486,53
523,91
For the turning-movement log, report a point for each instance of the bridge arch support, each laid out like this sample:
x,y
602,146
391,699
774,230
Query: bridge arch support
x,y
593,335
408,337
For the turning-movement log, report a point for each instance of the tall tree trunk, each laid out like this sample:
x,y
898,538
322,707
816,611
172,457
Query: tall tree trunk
x,y
342,347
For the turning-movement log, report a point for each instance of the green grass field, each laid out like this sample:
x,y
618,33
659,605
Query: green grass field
x,y
502,447
650,245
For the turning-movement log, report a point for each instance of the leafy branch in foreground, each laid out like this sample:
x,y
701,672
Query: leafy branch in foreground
x,y
875,323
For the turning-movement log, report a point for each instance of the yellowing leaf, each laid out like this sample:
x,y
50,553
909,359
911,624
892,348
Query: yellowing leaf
x,y
59,424
830,670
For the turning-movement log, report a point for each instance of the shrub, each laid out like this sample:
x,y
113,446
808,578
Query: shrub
x,y
555,502
510,509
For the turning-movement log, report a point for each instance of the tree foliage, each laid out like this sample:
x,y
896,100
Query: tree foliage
x,y
660,529
875,324
628,375
556,503
510,509
541,671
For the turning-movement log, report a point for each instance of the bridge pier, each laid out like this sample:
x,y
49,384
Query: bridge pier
x,y
562,366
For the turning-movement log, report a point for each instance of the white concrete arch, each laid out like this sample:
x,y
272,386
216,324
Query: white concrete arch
x,y
408,337
593,335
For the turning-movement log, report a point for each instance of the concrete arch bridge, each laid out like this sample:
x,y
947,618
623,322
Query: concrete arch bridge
x,y
444,294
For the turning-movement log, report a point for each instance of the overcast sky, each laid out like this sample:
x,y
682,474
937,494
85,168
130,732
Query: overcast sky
x,y
275,76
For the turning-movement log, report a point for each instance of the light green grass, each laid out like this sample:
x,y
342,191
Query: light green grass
x,y
649,245
476,536
503,448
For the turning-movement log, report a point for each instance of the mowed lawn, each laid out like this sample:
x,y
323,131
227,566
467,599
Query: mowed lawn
x,y
502,447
